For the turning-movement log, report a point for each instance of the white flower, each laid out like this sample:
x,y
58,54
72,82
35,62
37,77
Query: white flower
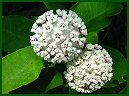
x,y
38,21
52,49
90,47
60,57
47,27
45,54
39,31
89,72
63,25
61,12
74,36
77,22
82,42
48,13
45,41
72,14
43,17
52,18
83,29
35,26
58,33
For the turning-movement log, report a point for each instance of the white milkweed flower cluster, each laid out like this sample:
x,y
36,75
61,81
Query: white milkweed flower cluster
x,y
89,71
58,37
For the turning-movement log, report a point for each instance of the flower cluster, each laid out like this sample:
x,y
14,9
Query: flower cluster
x,y
89,71
58,37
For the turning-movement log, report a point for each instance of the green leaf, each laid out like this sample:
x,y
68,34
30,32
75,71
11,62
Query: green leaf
x,y
16,32
20,68
34,17
39,85
97,15
54,6
48,64
92,38
123,91
72,91
119,66
56,81
1,41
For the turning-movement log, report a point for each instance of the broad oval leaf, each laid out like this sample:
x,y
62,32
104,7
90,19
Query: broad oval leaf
x,y
119,66
56,81
97,15
16,32
39,85
20,68
92,38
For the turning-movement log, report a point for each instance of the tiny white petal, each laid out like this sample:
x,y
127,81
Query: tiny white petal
x,y
52,52
39,21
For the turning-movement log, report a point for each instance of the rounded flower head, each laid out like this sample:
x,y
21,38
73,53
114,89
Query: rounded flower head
x,y
89,71
58,37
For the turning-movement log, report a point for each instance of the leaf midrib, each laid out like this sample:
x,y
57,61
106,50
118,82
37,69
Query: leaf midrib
x,y
93,16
